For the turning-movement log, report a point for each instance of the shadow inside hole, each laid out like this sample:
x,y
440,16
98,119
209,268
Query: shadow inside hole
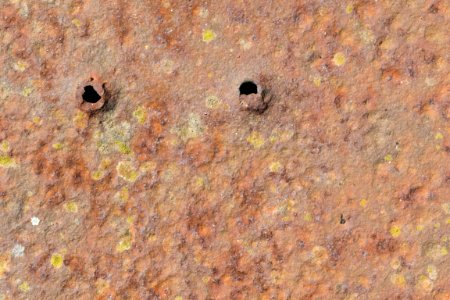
x,y
248,87
90,95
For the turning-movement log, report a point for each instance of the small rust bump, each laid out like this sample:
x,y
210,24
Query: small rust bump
x,y
95,86
254,102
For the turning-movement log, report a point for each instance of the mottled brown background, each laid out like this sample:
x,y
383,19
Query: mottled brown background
x,y
339,190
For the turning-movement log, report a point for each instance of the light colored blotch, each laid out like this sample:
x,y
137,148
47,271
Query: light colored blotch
x,y
212,102
432,272
319,254
35,221
193,127
18,250
20,66
245,44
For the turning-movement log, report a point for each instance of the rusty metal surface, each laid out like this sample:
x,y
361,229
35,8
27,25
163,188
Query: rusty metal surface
x,y
332,182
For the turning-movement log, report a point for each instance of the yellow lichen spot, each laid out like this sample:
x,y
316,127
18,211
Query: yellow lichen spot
x,y
80,120
124,244
71,207
4,263
130,220
349,8
24,287
206,279
256,139
395,263
126,171
275,167
105,163
98,175
37,120
420,227
56,260
77,22
124,194
20,66
140,114
101,285
388,158
320,254
178,298
4,146
212,102
317,81
438,136
432,272
363,203
152,238
122,147
398,279
339,59
395,231
199,182
7,162
425,283
307,217
448,221
58,146
208,35
27,91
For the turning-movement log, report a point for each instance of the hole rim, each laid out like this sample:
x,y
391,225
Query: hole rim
x,y
99,87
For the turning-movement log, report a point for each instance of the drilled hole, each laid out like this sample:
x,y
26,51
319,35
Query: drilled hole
x,y
248,87
90,95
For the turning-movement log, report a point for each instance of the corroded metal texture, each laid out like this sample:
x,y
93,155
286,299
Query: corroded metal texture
x,y
175,186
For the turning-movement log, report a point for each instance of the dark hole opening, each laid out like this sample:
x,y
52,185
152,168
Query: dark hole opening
x,y
247,88
342,221
90,95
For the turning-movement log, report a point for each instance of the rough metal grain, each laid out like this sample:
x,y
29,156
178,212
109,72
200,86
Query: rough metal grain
x,y
340,189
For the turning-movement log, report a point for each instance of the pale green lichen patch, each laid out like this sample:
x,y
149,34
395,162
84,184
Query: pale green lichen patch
x,y
126,170
191,128
140,114
122,147
114,137
212,102
4,146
